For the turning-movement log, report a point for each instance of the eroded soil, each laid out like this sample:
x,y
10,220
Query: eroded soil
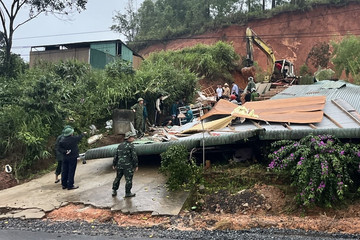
x,y
263,206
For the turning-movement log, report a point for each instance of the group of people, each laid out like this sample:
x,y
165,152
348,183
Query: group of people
x,y
237,95
226,93
142,118
125,161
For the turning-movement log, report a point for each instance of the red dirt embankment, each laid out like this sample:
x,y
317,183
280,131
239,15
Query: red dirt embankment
x,y
291,35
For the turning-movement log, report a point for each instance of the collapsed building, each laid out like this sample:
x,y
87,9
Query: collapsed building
x,y
325,107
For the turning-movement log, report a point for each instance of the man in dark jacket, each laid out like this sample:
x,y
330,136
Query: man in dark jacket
x,y
125,162
59,155
68,146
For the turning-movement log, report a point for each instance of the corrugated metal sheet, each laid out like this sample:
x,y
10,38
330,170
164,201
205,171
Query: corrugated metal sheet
x,y
350,93
331,84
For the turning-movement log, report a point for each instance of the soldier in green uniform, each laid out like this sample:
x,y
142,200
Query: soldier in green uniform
x,y
138,108
125,162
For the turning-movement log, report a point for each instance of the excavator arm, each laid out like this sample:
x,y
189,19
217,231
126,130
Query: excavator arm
x,y
253,38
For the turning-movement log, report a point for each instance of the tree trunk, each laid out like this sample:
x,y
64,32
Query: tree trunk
x,y
273,4
263,5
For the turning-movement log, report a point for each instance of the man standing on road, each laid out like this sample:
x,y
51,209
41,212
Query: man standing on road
x,y
59,155
126,163
68,146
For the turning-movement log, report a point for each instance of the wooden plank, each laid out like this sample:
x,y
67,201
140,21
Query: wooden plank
x,y
333,120
312,126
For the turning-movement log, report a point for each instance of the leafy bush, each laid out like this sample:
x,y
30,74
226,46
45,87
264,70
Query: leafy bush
x,y
324,74
346,57
321,167
181,171
215,62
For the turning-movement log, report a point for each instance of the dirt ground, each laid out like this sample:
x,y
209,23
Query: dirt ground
x,y
263,206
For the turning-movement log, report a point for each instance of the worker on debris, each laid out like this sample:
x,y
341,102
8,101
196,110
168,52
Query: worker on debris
x,y
138,109
68,146
125,163
226,94
175,112
59,155
246,96
254,94
189,116
219,92
236,91
233,99
251,84
159,109
146,123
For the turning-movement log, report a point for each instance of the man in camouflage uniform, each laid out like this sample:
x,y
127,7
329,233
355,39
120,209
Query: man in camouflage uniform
x,y
138,108
125,162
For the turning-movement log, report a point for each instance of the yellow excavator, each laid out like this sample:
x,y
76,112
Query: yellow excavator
x,y
279,71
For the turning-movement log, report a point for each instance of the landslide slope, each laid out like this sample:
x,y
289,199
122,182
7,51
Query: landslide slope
x,y
290,34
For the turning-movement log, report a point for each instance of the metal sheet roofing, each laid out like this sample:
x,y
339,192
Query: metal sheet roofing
x,y
338,90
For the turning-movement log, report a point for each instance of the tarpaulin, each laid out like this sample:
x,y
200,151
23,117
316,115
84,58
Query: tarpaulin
x,y
209,126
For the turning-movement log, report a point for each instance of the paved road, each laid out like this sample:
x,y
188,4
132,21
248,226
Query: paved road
x,y
35,198
26,235
261,235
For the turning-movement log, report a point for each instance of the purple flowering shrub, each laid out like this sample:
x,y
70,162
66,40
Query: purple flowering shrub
x,y
320,166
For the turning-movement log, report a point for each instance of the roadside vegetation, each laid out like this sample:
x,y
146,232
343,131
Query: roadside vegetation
x,y
36,103
315,171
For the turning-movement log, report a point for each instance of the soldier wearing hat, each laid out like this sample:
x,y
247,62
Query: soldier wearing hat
x,y
68,146
58,154
125,162
138,108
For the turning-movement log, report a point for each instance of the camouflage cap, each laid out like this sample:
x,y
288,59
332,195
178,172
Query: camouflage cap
x,y
129,134
140,99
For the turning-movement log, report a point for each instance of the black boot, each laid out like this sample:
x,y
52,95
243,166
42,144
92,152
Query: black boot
x,y
129,194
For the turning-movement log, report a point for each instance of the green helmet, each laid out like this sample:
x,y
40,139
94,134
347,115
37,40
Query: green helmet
x,y
140,99
129,134
66,126
68,131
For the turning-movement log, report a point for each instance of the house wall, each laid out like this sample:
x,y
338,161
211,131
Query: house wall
x,y
81,54
126,53
136,62
109,48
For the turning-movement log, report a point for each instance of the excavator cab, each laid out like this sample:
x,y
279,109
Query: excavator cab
x,y
284,71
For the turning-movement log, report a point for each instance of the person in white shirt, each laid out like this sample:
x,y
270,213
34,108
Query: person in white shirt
x,y
219,92
159,109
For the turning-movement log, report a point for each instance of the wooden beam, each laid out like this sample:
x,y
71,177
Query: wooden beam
x,y
333,120
256,124
312,126
287,126
345,111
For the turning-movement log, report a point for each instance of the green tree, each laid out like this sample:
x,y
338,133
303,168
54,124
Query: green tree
x,y
128,23
319,55
9,11
346,57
